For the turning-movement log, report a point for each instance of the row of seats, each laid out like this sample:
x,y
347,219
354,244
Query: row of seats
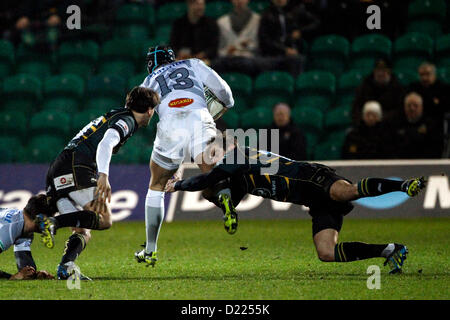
x,y
125,56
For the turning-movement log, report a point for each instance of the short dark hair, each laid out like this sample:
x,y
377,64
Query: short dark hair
x,y
38,204
140,99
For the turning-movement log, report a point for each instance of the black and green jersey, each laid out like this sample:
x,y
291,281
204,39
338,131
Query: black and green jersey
x,y
87,140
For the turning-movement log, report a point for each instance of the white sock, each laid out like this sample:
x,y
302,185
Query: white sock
x,y
388,250
154,216
226,191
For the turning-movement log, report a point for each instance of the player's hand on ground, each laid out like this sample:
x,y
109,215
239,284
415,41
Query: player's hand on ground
x,y
170,185
44,275
26,273
103,191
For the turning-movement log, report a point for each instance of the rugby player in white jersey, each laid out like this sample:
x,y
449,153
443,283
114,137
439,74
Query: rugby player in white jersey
x,y
185,127
16,229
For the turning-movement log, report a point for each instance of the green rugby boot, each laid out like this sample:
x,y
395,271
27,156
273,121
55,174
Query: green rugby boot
x,y
412,187
230,217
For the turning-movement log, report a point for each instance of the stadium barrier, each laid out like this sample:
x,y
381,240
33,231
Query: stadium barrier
x,y
130,182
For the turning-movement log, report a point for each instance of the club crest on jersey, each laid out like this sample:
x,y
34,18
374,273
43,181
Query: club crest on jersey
x,y
65,181
180,103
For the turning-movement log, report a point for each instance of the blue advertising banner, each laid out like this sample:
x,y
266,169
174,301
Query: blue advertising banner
x,y
130,184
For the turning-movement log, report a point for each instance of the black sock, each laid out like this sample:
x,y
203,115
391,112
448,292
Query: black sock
x,y
351,251
370,187
79,219
74,245
4,275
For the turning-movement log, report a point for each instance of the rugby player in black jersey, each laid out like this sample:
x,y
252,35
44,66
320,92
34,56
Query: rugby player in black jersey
x,y
316,186
78,177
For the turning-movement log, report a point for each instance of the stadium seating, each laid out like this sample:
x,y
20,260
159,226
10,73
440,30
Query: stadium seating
x,y
81,119
31,62
231,119
258,5
163,35
43,149
11,149
331,147
329,53
366,49
6,58
426,16
119,56
50,122
135,21
315,88
169,12
20,93
412,49
136,80
309,119
78,57
241,103
105,92
443,51
444,74
338,118
406,76
276,85
63,92
136,150
347,84
216,9
257,118
14,123
240,84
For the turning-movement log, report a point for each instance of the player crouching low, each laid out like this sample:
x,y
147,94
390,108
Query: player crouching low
x,y
316,186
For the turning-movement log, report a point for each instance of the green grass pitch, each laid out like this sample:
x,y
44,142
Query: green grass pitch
x,y
199,260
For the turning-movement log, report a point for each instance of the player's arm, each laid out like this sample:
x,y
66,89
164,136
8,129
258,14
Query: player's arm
x,y
215,83
25,263
103,159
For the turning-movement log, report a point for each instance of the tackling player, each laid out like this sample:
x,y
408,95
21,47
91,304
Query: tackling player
x,y
17,228
184,128
316,186
72,177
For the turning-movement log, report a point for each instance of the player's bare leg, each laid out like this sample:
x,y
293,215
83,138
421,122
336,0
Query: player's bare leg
x,y
154,212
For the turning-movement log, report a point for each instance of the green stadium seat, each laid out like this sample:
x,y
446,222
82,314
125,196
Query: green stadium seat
x,y
367,49
315,88
11,149
259,6
105,92
217,9
311,141
347,84
51,123
426,16
269,101
136,150
136,80
257,118
277,82
412,49
444,74
29,61
13,123
43,149
241,103
63,92
162,37
329,53
240,84
443,51
82,118
231,119
406,76
338,118
21,92
135,13
132,31
169,12
6,58
309,119
119,56
331,148
78,57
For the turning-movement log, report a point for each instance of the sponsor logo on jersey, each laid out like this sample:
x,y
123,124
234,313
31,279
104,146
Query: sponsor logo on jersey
x,y
65,181
123,125
180,103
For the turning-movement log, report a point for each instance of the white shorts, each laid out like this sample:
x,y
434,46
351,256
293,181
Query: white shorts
x,y
182,136
76,200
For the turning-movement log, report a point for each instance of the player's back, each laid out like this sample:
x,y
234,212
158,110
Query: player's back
x,y
11,225
180,85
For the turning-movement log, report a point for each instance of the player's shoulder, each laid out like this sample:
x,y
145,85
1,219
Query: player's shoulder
x,y
122,120
10,215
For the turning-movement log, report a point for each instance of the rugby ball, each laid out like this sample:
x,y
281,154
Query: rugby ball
x,y
215,107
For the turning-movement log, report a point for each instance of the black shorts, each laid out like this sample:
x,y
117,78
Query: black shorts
x,y
70,171
326,213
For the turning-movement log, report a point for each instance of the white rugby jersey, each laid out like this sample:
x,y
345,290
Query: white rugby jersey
x,y
11,227
180,86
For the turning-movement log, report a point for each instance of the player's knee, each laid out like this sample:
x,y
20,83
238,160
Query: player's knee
x,y
342,190
84,232
325,255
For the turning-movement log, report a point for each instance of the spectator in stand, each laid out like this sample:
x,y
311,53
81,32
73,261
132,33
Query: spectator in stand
x,y
195,35
292,143
238,40
382,86
435,93
280,35
368,139
413,135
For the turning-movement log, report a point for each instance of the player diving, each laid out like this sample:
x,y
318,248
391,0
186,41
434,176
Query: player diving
x,y
314,185
185,126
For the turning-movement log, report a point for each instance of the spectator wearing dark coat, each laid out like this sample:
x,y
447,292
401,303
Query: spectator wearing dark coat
x,y
195,35
292,143
382,86
414,135
368,139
